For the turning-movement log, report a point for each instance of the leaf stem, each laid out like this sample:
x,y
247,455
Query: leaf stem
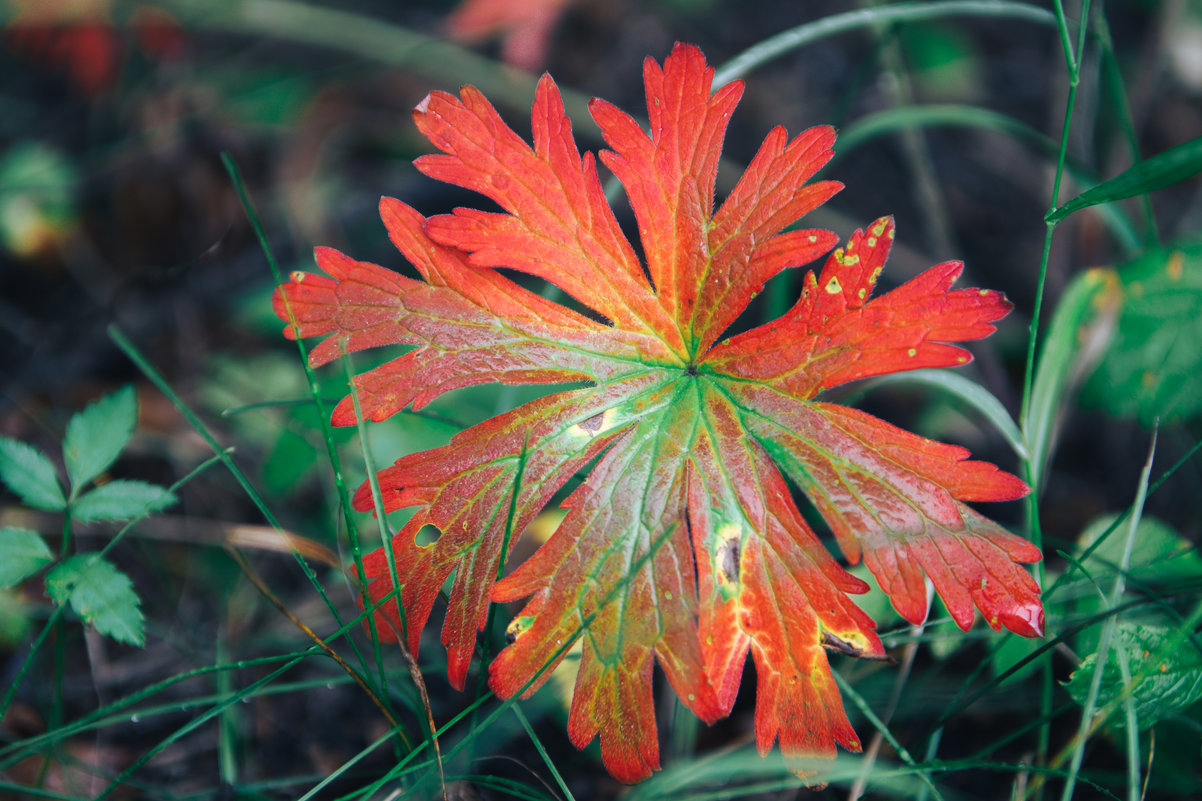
x,y
1032,501
252,216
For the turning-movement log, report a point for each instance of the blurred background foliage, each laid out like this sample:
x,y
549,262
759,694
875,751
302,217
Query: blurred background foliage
x,y
115,210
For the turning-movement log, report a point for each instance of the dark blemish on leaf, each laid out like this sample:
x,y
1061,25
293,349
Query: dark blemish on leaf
x,y
844,647
728,560
516,627
691,370
593,424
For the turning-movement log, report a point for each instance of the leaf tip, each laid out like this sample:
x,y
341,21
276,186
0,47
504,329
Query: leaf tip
x,y
1024,619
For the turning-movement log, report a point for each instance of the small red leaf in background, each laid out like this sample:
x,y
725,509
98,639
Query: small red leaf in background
x,y
682,547
525,27
84,40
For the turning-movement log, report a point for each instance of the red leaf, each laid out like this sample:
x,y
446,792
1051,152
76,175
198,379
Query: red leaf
x,y
525,25
682,547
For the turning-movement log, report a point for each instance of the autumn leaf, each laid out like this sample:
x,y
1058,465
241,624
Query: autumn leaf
x,y
682,546
525,27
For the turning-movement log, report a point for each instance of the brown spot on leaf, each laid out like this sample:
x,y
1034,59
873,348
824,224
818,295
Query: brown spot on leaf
x,y
593,424
728,559
836,643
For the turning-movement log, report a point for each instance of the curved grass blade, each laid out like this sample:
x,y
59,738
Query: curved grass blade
x,y
971,393
803,35
974,117
1091,699
1081,328
1168,168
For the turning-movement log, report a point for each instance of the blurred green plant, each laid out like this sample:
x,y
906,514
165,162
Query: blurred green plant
x,y
36,198
1153,367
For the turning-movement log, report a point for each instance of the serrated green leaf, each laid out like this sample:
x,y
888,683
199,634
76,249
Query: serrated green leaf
x,y
1162,562
1171,682
29,473
96,435
121,500
22,553
100,594
1170,167
1153,368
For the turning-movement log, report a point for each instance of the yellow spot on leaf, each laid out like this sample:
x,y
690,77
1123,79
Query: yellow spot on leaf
x,y
1176,266
912,353
812,239
297,276
862,293
872,241
833,287
877,229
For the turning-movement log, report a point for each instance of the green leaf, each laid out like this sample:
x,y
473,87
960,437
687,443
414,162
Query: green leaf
x,y
31,475
1162,563
22,553
1080,329
121,500
14,619
1170,167
1153,367
1160,555
37,185
96,435
100,594
1163,683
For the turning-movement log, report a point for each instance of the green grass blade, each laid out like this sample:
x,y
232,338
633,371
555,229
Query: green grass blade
x,y
967,391
323,418
865,709
1168,168
1087,712
367,37
956,115
1080,329
542,752
794,38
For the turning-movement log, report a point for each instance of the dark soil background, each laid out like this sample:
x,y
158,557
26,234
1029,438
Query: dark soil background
x,y
138,226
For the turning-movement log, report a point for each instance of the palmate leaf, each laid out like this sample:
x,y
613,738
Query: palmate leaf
x,y
682,547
